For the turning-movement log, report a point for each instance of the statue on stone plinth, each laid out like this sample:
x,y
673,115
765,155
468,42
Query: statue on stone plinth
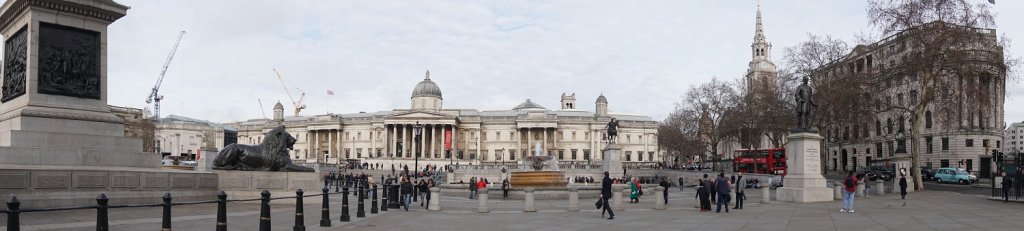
x,y
613,130
270,155
804,108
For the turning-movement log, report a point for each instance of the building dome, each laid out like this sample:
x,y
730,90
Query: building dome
x,y
427,88
602,99
278,106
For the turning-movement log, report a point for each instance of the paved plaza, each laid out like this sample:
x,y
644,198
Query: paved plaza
x,y
925,211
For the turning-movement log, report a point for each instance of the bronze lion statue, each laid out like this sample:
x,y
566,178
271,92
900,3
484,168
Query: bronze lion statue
x,y
269,155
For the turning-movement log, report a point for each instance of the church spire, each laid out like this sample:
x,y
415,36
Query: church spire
x,y
759,27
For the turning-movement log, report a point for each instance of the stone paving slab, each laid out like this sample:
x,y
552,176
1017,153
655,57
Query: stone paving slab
x,y
925,211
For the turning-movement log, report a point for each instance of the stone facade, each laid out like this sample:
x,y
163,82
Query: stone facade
x,y
183,136
137,125
471,135
944,141
1014,138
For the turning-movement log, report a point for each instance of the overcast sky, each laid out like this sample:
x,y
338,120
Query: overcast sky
x,y
487,55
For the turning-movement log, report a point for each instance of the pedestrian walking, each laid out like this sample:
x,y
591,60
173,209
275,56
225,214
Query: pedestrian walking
x,y
851,186
634,192
681,184
702,196
606,193
665,185
712,189
723,187
504,189
430,184
406,190
1007,184
472,187
741,185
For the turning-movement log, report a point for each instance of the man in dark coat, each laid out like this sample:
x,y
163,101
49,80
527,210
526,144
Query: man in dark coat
x,y
606,193
741,185
1007,184
722,186
665,185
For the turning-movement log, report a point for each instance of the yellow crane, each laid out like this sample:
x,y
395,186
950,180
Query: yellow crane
x,y
298,104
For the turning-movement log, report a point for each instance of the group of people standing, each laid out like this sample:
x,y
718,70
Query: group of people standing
x,y
420,189
719,191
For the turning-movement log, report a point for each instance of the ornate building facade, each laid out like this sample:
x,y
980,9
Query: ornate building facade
x,y
460,135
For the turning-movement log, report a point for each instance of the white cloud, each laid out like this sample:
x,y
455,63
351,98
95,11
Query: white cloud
x,y
484,55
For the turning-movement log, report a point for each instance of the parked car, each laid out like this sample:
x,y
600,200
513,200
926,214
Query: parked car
x,y
951,175
927,174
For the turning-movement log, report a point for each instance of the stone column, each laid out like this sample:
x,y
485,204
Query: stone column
x,y
617,194
373,143
528,198
433,141
659,199
422,142
838,188
393,141
479,135
481,198
443,139
519,141
554,142
330,143
316,146
574,198
766,195
544,143
435,199
529,142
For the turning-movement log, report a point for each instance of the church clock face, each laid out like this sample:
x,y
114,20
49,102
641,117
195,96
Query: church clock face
x,y
764,65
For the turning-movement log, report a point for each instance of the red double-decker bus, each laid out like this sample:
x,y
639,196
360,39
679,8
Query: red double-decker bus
x,y
763,161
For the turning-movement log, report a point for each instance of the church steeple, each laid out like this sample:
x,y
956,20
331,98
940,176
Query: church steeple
x,y
760,48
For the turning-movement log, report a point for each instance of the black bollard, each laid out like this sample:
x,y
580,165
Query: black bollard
x,y
222,211
300,224
415,192
326,209
101,213
373,201
344,205
360,209
13,212
167,212
337,185
384,199
265,210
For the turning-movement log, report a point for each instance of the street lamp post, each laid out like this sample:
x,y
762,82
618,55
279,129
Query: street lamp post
x,y
418,129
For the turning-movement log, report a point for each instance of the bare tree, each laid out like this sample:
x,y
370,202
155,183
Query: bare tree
x,y
678,135
710,101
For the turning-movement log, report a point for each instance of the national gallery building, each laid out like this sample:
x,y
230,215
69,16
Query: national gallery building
x,y
465,136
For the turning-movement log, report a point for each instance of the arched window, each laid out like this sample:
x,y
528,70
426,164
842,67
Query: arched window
x,y
928,119
902,124
888,123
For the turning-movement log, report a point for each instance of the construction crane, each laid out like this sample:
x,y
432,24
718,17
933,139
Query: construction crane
x,y
261,108
154,96
298,104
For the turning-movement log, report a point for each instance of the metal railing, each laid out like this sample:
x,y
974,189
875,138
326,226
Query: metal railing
x,y
1014,192
102,206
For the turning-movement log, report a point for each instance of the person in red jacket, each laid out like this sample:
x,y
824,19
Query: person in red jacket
x,y
850,184
481,183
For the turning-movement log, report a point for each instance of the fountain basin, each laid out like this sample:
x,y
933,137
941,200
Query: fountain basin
x,y
538,179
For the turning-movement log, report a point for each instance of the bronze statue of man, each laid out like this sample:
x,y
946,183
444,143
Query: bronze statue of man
x,y
613,130
804,107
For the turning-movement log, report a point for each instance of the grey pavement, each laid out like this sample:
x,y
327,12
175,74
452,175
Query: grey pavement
x,y
930,210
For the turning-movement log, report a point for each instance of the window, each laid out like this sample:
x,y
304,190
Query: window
x,y
913,97
970,164
899,99
484,153
969,143
984,143
945,144
629,154
998,143
348,153
561,154
928,144
650,156
573,152
586,154
878,148
943,163
928,119
512,154
878,128
640,156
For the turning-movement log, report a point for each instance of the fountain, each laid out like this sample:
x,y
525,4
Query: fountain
x,y
552,177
